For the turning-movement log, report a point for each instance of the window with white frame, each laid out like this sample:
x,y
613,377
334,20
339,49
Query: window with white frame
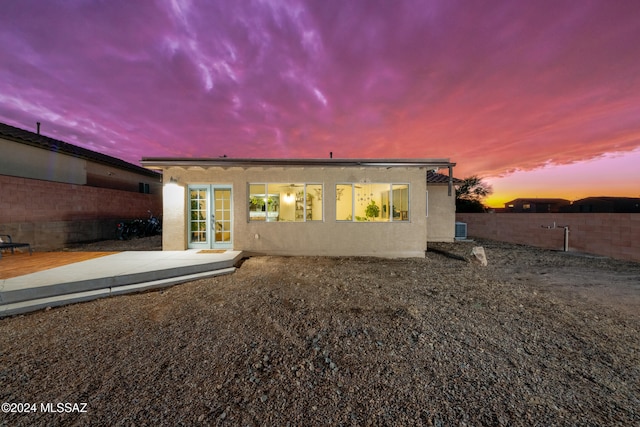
x,y
285,202
380,202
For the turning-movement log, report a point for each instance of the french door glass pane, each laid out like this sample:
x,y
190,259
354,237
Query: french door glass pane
x,y
198,216
223,215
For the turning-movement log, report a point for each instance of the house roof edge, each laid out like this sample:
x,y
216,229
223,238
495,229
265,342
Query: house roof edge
x,y
161,162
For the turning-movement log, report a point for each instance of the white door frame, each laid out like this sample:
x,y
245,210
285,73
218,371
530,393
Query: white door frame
x,y
204,230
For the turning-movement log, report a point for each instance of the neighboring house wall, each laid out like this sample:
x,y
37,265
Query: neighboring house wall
x,y
105,176
51,214
32,162
441,218
327,237
36,163
608,234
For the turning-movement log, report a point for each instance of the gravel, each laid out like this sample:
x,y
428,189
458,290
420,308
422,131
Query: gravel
x,y
535,338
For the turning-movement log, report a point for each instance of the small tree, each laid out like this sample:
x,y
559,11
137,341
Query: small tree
x,y
469,195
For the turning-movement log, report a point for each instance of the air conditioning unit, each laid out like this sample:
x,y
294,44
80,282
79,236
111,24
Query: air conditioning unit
x,y
461,231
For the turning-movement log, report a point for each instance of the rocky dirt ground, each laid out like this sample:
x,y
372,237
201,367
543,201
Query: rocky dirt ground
x,y
535,338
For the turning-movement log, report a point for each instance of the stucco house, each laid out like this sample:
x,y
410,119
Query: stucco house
x,y
331,206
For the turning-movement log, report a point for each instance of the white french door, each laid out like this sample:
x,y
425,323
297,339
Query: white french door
x,y
210,216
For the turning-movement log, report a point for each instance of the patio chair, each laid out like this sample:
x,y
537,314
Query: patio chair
x,y
10,244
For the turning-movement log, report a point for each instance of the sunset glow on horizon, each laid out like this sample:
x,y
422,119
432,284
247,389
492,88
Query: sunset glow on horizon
x,y
541,99
605,176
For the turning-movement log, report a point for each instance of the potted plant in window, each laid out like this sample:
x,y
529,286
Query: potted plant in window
x,y
256,204
372,210
272,204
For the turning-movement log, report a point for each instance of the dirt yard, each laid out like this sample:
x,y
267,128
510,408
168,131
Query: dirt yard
x,y
535,338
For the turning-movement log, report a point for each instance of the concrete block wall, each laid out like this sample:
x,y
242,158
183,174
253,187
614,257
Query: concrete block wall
x,y
615,235
50,214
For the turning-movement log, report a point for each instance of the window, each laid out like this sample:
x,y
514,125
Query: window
x,y
372,202
285,202
344,202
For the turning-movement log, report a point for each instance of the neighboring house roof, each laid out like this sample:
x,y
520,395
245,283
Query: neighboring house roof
x,y
439,178
607,199
606,204
160,162
536,200
37,140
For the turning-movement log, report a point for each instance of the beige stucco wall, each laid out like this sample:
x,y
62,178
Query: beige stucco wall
x,y
442,214
328,237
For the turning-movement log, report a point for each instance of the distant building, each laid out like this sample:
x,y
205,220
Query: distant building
x,y
605,205
535,205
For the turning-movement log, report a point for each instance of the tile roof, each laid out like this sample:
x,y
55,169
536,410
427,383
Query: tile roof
x,y
439,178
37,140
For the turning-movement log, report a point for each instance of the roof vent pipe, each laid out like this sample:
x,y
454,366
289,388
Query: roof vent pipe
x,y
38,127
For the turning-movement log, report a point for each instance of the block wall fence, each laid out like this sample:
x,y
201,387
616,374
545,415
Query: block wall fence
x,y
616,235
50,214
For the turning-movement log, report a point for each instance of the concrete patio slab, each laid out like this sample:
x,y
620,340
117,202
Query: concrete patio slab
x,y
110,275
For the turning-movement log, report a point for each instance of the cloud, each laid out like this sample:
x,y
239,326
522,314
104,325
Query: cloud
x,y
497,86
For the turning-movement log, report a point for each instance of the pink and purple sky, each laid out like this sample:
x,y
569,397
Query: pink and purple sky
x,y
540,98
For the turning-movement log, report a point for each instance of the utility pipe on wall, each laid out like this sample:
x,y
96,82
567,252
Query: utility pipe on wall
x,y
566,234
